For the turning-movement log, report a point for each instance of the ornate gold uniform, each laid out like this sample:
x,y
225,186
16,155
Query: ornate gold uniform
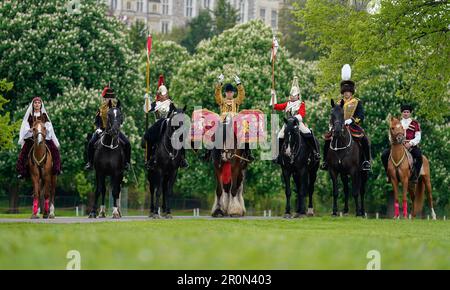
x,y
229,106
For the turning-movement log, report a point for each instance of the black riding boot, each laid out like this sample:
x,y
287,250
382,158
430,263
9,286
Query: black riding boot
x,y
277,160
151,156
324,165
91,151
311,141
366,165
127,149
248,153
417,156
184,163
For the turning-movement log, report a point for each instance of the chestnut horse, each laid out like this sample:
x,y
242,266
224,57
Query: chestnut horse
x,y
229,168
399,171
44,181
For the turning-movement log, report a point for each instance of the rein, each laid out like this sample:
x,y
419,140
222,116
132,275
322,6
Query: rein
x,y
336,148
111,146
42,161
172,155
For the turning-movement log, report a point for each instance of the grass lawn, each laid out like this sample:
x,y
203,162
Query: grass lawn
x,y
311,243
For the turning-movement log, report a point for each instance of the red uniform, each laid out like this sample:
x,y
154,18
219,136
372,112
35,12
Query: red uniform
x,y
294,109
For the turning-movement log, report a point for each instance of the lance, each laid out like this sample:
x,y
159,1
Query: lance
x,y
147,99
273,57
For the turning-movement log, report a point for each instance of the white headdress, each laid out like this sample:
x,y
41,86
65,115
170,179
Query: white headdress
x,y
346,72
295,89
25,127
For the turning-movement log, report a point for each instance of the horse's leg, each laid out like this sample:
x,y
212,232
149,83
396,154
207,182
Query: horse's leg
x,y
36,189
287,189
362,192
427,180
311,182
159,188
217,206
46,192
116,196
344,179
394,182
301,182
356,185
405,184
93,213
168,195
333,175
52,196
417,197
102,213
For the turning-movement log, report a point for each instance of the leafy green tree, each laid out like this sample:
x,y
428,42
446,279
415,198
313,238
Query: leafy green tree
x,y
137,34
7,129
225,16
199,28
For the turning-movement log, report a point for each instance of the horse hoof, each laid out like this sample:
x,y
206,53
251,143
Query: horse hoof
x,y
45,216
334,214
156,216
102,215
299,215
218,213
116,216
34,217
169,216
51,216
287,216
92,215
310,212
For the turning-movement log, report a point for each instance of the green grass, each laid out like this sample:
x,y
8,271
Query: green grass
x,y
312,243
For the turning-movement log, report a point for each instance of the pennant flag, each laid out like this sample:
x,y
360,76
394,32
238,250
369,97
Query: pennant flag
x,y
274,49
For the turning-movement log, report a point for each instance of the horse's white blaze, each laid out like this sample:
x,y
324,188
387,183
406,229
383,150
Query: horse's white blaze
x,y
115,113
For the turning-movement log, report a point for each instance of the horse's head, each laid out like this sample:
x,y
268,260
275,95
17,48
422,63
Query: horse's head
x,y
397,134
176,118
291,133
114,120
337,118
39,132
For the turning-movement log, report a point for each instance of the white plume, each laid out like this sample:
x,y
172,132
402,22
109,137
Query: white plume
x,y
346,72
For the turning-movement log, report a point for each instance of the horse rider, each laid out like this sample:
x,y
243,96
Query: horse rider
x,y
413,136
297,108
162,107
36,111
109,97
353,116
229,105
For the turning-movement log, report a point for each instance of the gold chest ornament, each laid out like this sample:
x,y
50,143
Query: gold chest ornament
x,y
350,108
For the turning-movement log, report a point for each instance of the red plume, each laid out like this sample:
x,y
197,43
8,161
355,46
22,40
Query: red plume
x,y
160,81
105,90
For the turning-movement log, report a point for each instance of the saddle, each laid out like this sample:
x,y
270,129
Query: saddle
x,y
356,131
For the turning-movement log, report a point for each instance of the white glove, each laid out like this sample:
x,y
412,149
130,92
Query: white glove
x,y
348,121
273,99
220,78
299,117
237,80
146,96
98,131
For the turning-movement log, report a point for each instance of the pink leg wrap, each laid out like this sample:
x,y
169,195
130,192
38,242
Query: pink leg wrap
x,y
396,209
35,205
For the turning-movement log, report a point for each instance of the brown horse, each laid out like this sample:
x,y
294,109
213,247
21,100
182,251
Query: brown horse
x,y
229,167
44,181
399,171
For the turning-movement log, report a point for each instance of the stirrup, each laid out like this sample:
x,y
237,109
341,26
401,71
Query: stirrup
x,y
366,166
324,166
88,166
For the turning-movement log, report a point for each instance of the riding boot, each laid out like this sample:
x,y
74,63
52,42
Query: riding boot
x,y
21,165
366,165
324,165
56,168
127,155
207,156
311,141
183,163
91,151
277,160
417,167
248,153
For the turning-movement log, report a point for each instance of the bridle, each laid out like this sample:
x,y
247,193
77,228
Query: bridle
x,y
336,148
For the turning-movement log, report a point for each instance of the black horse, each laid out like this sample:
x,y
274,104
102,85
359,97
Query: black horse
x,y
109,160
297,161
168,159
344,158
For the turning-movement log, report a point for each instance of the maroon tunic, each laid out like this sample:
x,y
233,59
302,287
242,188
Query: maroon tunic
x,y
413,127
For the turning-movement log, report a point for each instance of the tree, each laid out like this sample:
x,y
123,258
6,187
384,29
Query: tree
x,y
291,38
199,28
46,47
225,16
136,34
7,129
410,37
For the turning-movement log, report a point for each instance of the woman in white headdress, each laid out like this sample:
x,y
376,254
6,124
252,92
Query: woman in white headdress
x,y
36,111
